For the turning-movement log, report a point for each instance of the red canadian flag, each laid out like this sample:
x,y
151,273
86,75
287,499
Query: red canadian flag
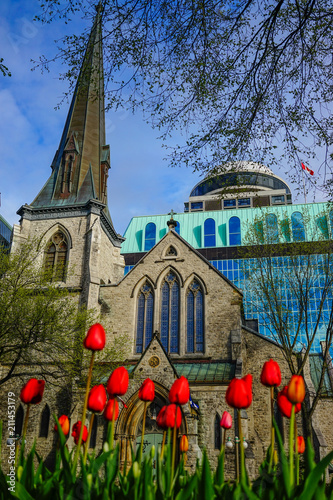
x,y
311,172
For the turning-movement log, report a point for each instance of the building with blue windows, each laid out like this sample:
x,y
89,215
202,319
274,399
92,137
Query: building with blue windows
x,y
218,220
5,233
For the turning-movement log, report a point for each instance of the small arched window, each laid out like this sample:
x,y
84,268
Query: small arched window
x,y
195,318
331,222
150,236
19,420
323,226
297,226
93,436
234,231
209,233
272,229
44,422
217,433
56,257
170,313
144,328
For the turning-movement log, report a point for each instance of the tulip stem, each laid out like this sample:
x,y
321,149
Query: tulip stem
x,y
296,454
111,434
84,412
174,439
291,446
88,438
242,455
163,443
143,429
24,431
272,430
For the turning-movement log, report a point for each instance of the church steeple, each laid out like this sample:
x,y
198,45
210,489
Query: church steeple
x,y
81,163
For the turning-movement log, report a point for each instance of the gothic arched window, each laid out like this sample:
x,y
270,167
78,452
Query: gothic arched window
x,y
144,328
195,318
44,422
272,229
150,236
19,420
297,226
234,231
209,233
56,256
170,313
93,436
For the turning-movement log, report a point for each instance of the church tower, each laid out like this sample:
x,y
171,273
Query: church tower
x,y
70,217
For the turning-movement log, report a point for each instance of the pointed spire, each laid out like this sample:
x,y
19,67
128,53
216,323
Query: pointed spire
x,y
81,163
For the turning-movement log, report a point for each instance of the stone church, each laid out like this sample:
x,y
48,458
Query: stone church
x,y
180,315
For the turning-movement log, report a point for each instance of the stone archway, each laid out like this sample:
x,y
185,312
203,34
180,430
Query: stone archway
x,y
129,426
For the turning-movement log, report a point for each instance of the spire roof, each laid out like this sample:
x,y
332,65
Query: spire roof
x,y
81,163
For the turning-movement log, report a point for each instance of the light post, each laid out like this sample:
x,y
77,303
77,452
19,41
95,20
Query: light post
x,y
230,444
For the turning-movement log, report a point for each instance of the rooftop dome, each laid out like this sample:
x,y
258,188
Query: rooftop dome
x,y
244,166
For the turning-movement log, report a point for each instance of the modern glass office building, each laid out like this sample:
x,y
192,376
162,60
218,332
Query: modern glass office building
x,y
5,232
251,202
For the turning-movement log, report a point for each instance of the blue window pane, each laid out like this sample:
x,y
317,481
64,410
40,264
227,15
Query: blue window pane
x,y
174,326
190,322
229,203
199,322
244,202
272,229
196,205
165,317
297,226
140,323
209,233
234,231
150,236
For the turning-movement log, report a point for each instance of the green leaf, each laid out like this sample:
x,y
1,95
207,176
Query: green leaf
x,y
284,464
315,476
186,492
21,492
205,485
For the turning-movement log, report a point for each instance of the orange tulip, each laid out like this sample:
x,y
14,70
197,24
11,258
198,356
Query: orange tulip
x,y
64,424
296,389
300,444
183,446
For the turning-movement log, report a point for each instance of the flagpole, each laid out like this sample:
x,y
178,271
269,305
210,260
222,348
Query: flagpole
x,y
303,184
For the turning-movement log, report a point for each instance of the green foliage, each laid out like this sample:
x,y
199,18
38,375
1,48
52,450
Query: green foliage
x,y
102,479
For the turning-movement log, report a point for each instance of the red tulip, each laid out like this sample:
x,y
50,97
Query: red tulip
x,y
147,390
284,404
160,419
118,382
183,445
76,432
180,391
32,391
270,374
296,389
112,408
97,399
239,392
300,444
95,339
173,414
64,424
226,420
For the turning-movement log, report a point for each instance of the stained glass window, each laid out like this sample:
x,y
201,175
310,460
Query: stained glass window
x,y
170,314
209,233
144,328
194,323
150,236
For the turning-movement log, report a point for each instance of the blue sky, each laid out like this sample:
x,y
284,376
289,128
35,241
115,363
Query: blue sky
x,y
140,181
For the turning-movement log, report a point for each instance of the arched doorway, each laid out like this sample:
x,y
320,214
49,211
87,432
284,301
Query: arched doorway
x,y
129,426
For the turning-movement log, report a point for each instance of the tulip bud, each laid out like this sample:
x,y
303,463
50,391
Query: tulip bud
x,y
180,391
64,424
97,399
284,404
270,374
95,339
136,470
226,420
239,392
183,445
32,391
296,389
89,480
152,452
19,472
118,382
106,447
147,390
